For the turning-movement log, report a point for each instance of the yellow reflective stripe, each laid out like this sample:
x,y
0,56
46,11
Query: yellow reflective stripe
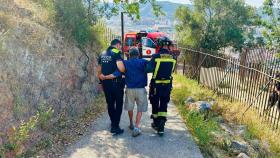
x,y
164,114
115,50
155,115
156,70
174,63
158,61
163,81
164,60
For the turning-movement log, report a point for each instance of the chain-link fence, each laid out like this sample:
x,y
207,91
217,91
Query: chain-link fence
x,y
249,77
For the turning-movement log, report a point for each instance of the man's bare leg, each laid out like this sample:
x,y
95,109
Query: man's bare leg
x,y
138,119
130,115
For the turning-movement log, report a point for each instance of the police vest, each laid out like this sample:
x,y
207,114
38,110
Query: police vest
x,y
108,60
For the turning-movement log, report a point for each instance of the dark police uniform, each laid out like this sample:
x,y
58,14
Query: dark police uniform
x,y
163,64
113,88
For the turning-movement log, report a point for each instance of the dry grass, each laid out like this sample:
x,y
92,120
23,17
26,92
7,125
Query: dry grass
x,y
231,111
66,131
5,21
39,13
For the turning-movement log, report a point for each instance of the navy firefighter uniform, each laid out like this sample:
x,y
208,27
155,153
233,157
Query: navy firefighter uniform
x,y
162,65
113,88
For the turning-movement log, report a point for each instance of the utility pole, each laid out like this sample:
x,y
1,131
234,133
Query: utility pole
x,y
122,25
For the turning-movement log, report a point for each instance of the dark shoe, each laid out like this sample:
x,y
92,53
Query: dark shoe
x,y
113,130
131,127
161,125
155,123
117,131
160,130
154,126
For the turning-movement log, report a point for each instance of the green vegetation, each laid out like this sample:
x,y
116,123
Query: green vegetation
x,y
19,107
204,130
45,112
272,24
67,130
71,17
58,133
17,136
77,18
198,126
215,24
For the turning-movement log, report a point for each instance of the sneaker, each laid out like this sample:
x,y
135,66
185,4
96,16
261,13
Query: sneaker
x,y
136,132
131,127
117,131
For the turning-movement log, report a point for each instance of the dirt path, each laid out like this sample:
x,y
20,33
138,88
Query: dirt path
x,y
177,142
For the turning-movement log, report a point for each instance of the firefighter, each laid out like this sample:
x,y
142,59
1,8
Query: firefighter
x,y
110,62
162,66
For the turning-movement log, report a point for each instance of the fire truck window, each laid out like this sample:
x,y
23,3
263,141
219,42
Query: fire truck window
x,y
129,42
150,43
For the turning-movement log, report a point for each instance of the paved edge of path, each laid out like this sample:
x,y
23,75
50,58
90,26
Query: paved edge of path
x,y
99,143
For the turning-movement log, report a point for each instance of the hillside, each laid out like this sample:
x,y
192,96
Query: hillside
x,y
39,68
148,19
168,8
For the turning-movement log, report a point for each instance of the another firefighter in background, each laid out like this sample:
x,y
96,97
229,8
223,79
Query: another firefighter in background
x,y
110,63
162,65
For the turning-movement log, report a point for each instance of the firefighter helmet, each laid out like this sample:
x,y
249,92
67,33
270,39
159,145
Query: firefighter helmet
x,y
164,41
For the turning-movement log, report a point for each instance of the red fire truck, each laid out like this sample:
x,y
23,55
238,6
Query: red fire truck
x,y
145,41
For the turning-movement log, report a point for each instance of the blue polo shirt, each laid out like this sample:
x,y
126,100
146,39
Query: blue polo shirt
x,y
135,75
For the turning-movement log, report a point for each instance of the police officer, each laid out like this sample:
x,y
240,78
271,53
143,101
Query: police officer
x,y
110,62
162,65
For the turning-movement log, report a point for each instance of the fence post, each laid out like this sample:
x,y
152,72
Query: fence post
x,y
184,66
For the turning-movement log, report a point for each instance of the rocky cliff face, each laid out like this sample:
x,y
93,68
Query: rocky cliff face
x,y
39,68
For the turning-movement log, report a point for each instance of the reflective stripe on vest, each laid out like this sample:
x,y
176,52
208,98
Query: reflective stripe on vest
x,y
158,62
115,50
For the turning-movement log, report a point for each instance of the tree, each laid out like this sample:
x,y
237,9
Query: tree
x,y
214,24
271,33
99,8
76,18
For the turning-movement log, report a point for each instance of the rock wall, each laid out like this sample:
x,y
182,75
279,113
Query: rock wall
x,y
39,67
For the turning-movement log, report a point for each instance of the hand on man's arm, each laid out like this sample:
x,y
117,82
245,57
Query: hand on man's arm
x,y
114,75
150,66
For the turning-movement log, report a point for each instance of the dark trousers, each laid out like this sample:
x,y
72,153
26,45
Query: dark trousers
x,y
114,91
159,97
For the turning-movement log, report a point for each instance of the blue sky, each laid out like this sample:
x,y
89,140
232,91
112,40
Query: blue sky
x,y
255,3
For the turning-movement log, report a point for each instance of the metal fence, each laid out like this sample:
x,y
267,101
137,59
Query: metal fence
x,y
249,77
109,34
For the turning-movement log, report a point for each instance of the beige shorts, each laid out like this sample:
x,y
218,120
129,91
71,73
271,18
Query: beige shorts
x,y
138,96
